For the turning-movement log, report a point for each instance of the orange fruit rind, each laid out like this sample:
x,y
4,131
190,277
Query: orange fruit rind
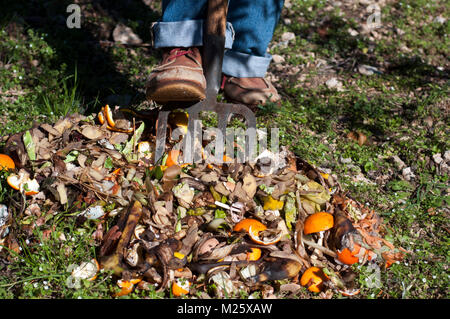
x,y
6,162
313,279
245,224
126,286
254,254
23,183
109,116
266,241
318,222
180,287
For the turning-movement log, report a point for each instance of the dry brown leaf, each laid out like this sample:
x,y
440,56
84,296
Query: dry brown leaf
x,y
62,191
92,132
249,185
118,138
358,137
63,125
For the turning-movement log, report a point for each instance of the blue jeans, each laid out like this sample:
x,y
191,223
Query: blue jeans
x,y
250,28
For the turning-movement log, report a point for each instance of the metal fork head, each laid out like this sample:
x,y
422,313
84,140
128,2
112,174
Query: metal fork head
x,y
193,137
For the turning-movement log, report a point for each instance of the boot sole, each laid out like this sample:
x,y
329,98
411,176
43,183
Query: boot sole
x,y
176,90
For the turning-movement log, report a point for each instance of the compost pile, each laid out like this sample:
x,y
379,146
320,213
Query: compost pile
x,y
202,229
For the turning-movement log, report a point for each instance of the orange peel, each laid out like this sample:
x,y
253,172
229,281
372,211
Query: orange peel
x,y
23,183
349,293
14,181
172,158
253,227
109,116
120,130
318,222
6,162
254,255
180,287
227,159
313,279
245,224
348,257
101,117
255,236
94,261
31,187
127,286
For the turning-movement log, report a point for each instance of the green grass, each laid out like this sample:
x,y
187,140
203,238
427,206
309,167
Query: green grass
x,y
67,99
33,89
47,71
43,267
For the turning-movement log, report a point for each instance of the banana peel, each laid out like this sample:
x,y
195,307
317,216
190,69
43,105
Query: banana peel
x,y
278,269
115,262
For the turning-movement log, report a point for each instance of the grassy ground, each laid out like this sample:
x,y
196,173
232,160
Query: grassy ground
x,y
48,70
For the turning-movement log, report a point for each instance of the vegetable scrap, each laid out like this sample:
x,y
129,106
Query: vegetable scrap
x,y
189,229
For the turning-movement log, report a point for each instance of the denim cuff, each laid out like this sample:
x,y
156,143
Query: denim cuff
x,y
188,33
242,65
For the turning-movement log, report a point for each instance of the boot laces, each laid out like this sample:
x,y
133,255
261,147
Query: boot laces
x,y
177,52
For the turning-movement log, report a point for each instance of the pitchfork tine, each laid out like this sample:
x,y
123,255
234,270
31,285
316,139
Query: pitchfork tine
x,y
161,130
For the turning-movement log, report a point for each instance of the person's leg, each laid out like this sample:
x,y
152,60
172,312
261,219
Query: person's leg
x,y
181,25
254,23
245,65
179,77
173,11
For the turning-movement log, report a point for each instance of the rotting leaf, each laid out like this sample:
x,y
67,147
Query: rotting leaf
x,y
249,185
170,177
131,144
118,138
197,211
108,164
290,211
92,132
341,230
62,191
210,177
318,195
217,197
277,270
219,213
29,145
72,156
267,189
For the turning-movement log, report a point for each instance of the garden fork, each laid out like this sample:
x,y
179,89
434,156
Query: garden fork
x,y
213,52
